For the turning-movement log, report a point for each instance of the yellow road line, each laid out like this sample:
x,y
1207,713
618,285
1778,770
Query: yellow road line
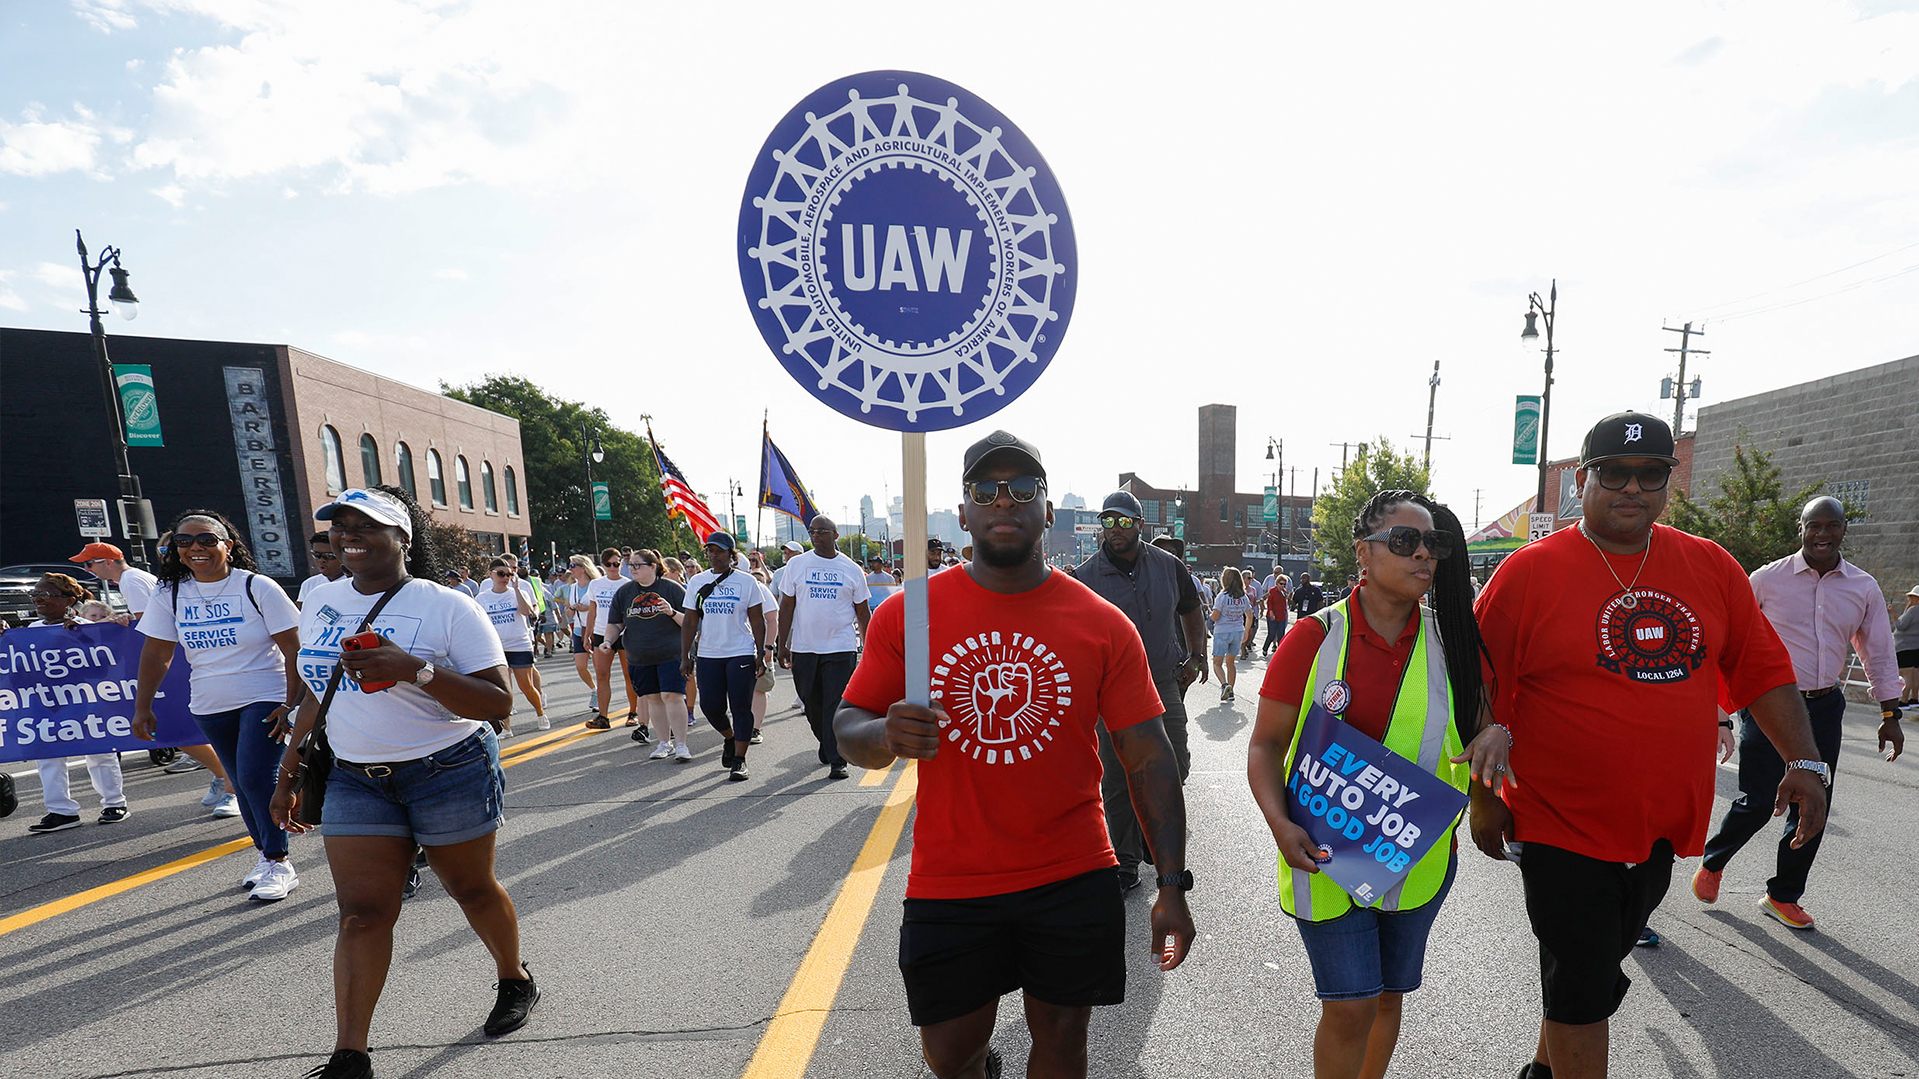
x,y
875,776
41,913
521,744
60,906
787,1046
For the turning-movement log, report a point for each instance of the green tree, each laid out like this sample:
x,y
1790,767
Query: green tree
x,y
1377,469
555,458
456,547
1752,516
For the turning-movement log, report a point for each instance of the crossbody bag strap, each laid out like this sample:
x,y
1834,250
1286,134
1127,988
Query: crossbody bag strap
x,y
318,734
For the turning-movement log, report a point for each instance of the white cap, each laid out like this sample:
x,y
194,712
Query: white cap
x,y
793,547
378,505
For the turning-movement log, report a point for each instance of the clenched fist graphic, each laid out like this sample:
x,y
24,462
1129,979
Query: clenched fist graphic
x,y
1000,692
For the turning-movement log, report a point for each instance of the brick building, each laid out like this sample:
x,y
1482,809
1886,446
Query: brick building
x,y
262,433
1856,433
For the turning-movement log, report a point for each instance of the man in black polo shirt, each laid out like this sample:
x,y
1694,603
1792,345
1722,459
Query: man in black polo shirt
x,y
1154,591
1307,598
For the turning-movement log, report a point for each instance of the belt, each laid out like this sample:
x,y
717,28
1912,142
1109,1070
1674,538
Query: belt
x,y
373,771
1815,694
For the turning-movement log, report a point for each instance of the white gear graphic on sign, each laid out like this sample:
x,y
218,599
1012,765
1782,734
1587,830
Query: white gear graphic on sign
x,y
1011,309
1003,695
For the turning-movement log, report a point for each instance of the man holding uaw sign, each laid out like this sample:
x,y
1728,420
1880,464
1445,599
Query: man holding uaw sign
x,y
1356,760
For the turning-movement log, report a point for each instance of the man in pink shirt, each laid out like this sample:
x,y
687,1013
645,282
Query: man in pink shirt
x,y
1820,604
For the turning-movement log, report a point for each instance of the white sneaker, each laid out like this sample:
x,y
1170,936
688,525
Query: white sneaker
x,y
278,880
228,806
506,731
541,723
216,790
253,876
683,752
662,751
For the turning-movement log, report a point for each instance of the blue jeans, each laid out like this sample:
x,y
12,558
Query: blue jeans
x,y
452,796
252,760
727,682
1365,952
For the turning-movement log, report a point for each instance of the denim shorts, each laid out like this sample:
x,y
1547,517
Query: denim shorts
x,y
1365,951
441,799
1227,643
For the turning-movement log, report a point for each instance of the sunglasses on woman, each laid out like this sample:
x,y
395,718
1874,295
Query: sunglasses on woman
x,y
1651,477
204,539
1404,540
1022,488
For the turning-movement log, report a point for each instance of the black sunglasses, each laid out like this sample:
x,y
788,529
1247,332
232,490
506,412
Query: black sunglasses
x,y
1117,520
1651,477
204,539
1022,488
1404,540
326,558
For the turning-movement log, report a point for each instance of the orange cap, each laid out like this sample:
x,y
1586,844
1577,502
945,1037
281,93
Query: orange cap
x,y
99,550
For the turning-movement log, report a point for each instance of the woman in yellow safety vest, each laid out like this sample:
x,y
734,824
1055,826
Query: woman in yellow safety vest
x,y
1406,675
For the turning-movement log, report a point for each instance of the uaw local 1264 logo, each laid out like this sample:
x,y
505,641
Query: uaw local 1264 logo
x,y
1003,696
1653,637
906,252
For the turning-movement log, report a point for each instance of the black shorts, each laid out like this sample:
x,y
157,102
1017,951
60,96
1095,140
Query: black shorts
x,y
1909,657
1588,915
1062,942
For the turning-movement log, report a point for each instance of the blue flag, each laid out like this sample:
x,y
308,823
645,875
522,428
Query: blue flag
x,y
67,692
780,486
1377,812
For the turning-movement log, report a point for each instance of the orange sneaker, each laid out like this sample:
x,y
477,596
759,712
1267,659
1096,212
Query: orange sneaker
x,y
1705,884
1790,915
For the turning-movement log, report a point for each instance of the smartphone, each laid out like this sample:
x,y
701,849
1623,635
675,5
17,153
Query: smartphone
x,y
369,639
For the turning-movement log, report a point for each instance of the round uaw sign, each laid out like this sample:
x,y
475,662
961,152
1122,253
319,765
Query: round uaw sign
x,y
906,252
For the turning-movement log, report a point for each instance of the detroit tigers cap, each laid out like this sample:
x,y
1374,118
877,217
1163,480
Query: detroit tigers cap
x,y
1628,434
1001,446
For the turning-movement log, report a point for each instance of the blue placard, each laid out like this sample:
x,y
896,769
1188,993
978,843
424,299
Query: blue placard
x,y
906,252
67,692
1377,812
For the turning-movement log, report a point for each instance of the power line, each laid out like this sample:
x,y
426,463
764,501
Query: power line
x,y
1822,296
1809,280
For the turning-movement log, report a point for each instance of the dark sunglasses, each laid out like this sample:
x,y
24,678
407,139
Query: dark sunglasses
x,y
46,595
1404,540
204,539
612,562
1116,520
326,558
502,573
1651,477
1022,488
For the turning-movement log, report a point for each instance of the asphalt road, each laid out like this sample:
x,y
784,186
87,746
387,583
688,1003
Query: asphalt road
x,y
667,911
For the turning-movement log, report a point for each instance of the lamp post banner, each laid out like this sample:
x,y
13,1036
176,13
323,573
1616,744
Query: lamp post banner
x,y
138,404
906,252
602,502
1526,430
67,692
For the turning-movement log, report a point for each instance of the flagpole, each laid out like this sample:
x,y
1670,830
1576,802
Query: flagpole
x,y
759,515
918,651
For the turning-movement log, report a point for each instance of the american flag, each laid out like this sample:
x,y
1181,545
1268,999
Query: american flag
x,y
679,494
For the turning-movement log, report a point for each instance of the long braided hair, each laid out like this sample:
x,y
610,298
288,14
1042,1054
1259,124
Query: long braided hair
x,y
1451,601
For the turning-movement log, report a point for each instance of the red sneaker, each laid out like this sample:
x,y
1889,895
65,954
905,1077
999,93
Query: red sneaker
x,y
1790,915
1705,884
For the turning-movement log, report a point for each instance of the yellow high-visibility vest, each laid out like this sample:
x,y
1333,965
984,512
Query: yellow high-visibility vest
x,y
1421,730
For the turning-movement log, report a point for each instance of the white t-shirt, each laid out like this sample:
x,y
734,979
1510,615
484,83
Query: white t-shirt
x,y
1232,611
307,586
575,593
136,587
229,644
600,594
503,611
824,592
881,585
724,630
443,626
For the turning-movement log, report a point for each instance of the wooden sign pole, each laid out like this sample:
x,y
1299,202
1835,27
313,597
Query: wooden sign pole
x,y
913,559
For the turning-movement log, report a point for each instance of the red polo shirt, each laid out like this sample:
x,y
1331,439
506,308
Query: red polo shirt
x,y
1375,667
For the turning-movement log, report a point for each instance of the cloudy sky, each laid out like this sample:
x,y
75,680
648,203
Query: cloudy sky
x,y
1291,208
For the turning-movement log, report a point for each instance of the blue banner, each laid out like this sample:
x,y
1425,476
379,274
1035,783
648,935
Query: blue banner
x,y
1375,811
66,692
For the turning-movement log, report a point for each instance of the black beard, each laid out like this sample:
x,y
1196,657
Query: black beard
x,y
1008,557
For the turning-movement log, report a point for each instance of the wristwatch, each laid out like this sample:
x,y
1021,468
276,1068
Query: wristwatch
x,y
1818,768
1183,880
1892,714
424,675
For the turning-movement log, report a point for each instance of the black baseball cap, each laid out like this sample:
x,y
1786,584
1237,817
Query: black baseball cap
x,y
721,539
1123,503
1001,447
935,544
1628,434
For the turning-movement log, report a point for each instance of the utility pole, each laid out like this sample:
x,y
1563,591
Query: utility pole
x,y
1476,492
1432,398
1679,387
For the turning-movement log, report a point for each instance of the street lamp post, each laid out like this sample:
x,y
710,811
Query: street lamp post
x,y
1276,453
1535,309
136,514
592,451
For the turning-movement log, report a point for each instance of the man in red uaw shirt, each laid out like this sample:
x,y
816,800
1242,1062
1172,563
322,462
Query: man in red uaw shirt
x,y
1611,646
1014,883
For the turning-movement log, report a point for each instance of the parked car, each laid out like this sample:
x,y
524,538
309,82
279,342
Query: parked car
x,y
17,581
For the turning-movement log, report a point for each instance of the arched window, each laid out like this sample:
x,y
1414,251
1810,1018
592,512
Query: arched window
x,y
369,460
465,479
335,466
486,487
403,464
512,493
435,478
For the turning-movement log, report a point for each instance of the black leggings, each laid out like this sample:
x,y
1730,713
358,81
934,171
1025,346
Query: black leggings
x,y
723,682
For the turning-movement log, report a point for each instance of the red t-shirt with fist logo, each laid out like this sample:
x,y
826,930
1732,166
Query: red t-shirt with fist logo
x,y
1011,800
